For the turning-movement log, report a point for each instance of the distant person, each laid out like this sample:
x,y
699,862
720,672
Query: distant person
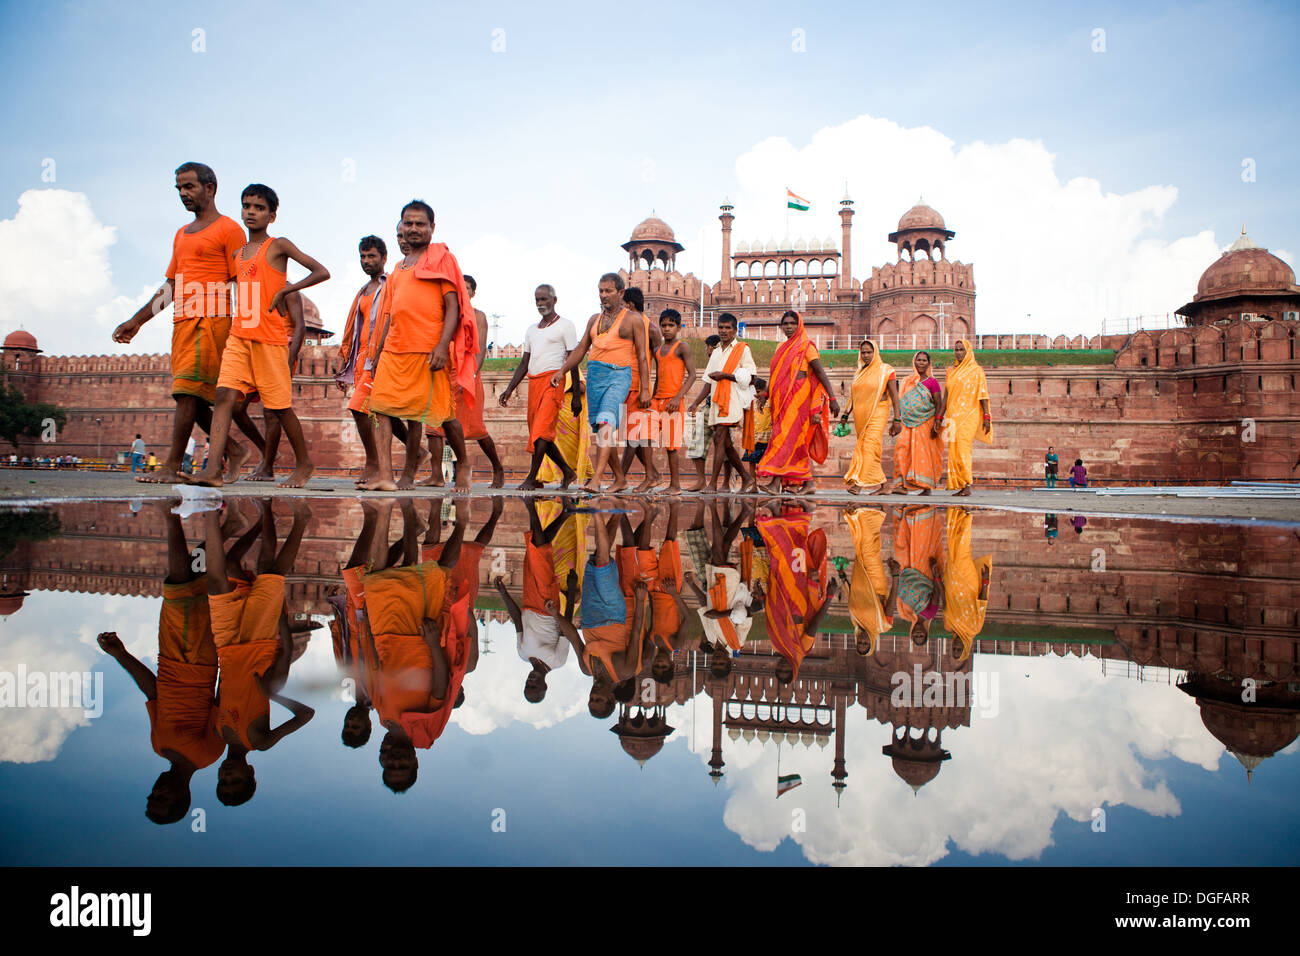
x,y
1078,521
153,461
1078,475
1050,527
137,455
1049,466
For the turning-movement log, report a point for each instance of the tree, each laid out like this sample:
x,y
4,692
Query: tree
x,y
20,418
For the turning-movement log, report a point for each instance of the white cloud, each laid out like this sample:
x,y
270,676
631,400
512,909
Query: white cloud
x,y
1065,740
56,280
1066,253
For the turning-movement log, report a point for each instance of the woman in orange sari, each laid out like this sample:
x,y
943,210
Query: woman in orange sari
x,y
966,401
918,453
799,590
799,391
875,390
965,585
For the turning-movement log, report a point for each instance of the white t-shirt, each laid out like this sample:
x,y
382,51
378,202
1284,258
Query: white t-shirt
x,y
546,347
541,638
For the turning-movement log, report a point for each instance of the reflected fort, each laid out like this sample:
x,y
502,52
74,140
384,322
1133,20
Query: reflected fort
x,y
426,661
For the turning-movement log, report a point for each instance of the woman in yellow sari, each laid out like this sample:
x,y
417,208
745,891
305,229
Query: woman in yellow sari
x,y
875,390
571,434
799,392
966,403
872,591
965,586
918,453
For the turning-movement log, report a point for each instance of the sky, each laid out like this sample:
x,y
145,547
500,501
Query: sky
x,y
1093,159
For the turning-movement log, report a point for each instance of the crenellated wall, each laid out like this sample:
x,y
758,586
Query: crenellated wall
x,y
1215,403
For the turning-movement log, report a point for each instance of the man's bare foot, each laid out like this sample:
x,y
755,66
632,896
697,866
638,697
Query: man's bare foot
x,y
164,477
299,476
647,484
674,488
618,485
528,484
368,473
462,480
208,479
567,477
749,488
405,481
434,481
696,488
498,478
236,455
380,484
259,476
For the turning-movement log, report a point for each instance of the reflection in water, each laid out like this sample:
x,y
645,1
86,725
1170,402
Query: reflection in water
x,y
753,635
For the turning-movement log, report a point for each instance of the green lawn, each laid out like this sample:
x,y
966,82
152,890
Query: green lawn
x,y
843,358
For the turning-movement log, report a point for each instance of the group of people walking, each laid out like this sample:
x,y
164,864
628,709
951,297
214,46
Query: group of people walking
x,y
411,358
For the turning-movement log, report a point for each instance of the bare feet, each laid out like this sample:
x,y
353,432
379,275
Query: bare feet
x,y
885,489
498,478
853,489
528,484
299,476
808,488
405,482
163,477
618,485
260,475
462,480
899,490
211,478
434,481
567,477
674,488
236,455
964,493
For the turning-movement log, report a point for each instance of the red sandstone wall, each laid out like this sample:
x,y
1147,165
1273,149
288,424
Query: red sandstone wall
x,y
1175,406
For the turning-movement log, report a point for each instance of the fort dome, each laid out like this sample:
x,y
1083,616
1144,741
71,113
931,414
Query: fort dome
x,y
654,229
21,339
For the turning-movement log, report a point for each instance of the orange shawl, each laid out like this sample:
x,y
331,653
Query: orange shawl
x,y
439,263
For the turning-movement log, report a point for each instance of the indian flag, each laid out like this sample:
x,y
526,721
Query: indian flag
x,y
788,782
795,202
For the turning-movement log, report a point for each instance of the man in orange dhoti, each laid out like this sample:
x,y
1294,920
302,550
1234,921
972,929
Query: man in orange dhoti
x,y
470,414
198,287
429,337
356,364
546,348
419,629
182,718
254,647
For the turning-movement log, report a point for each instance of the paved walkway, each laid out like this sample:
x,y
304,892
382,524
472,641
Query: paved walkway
x,y
18,486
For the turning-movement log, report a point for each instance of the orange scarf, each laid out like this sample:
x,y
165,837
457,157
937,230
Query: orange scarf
x,y
722,393
438,263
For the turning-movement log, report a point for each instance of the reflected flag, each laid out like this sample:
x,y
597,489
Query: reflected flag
x,y
788,782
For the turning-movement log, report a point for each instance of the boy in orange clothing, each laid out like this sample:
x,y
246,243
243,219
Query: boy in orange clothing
x,y
254,647
257,357
676,374
429,339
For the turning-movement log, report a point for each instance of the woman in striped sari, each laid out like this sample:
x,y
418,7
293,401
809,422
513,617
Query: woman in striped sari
x,y
918,546
799,591
918,453
875,390
571,434
966,402
799,392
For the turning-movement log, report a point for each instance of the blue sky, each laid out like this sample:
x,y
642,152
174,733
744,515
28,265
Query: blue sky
x,y
1106,182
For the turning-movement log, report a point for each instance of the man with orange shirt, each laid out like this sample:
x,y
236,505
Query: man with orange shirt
x,y
182,717
421,648
259,355
354,351
428,339
198,288
674,377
